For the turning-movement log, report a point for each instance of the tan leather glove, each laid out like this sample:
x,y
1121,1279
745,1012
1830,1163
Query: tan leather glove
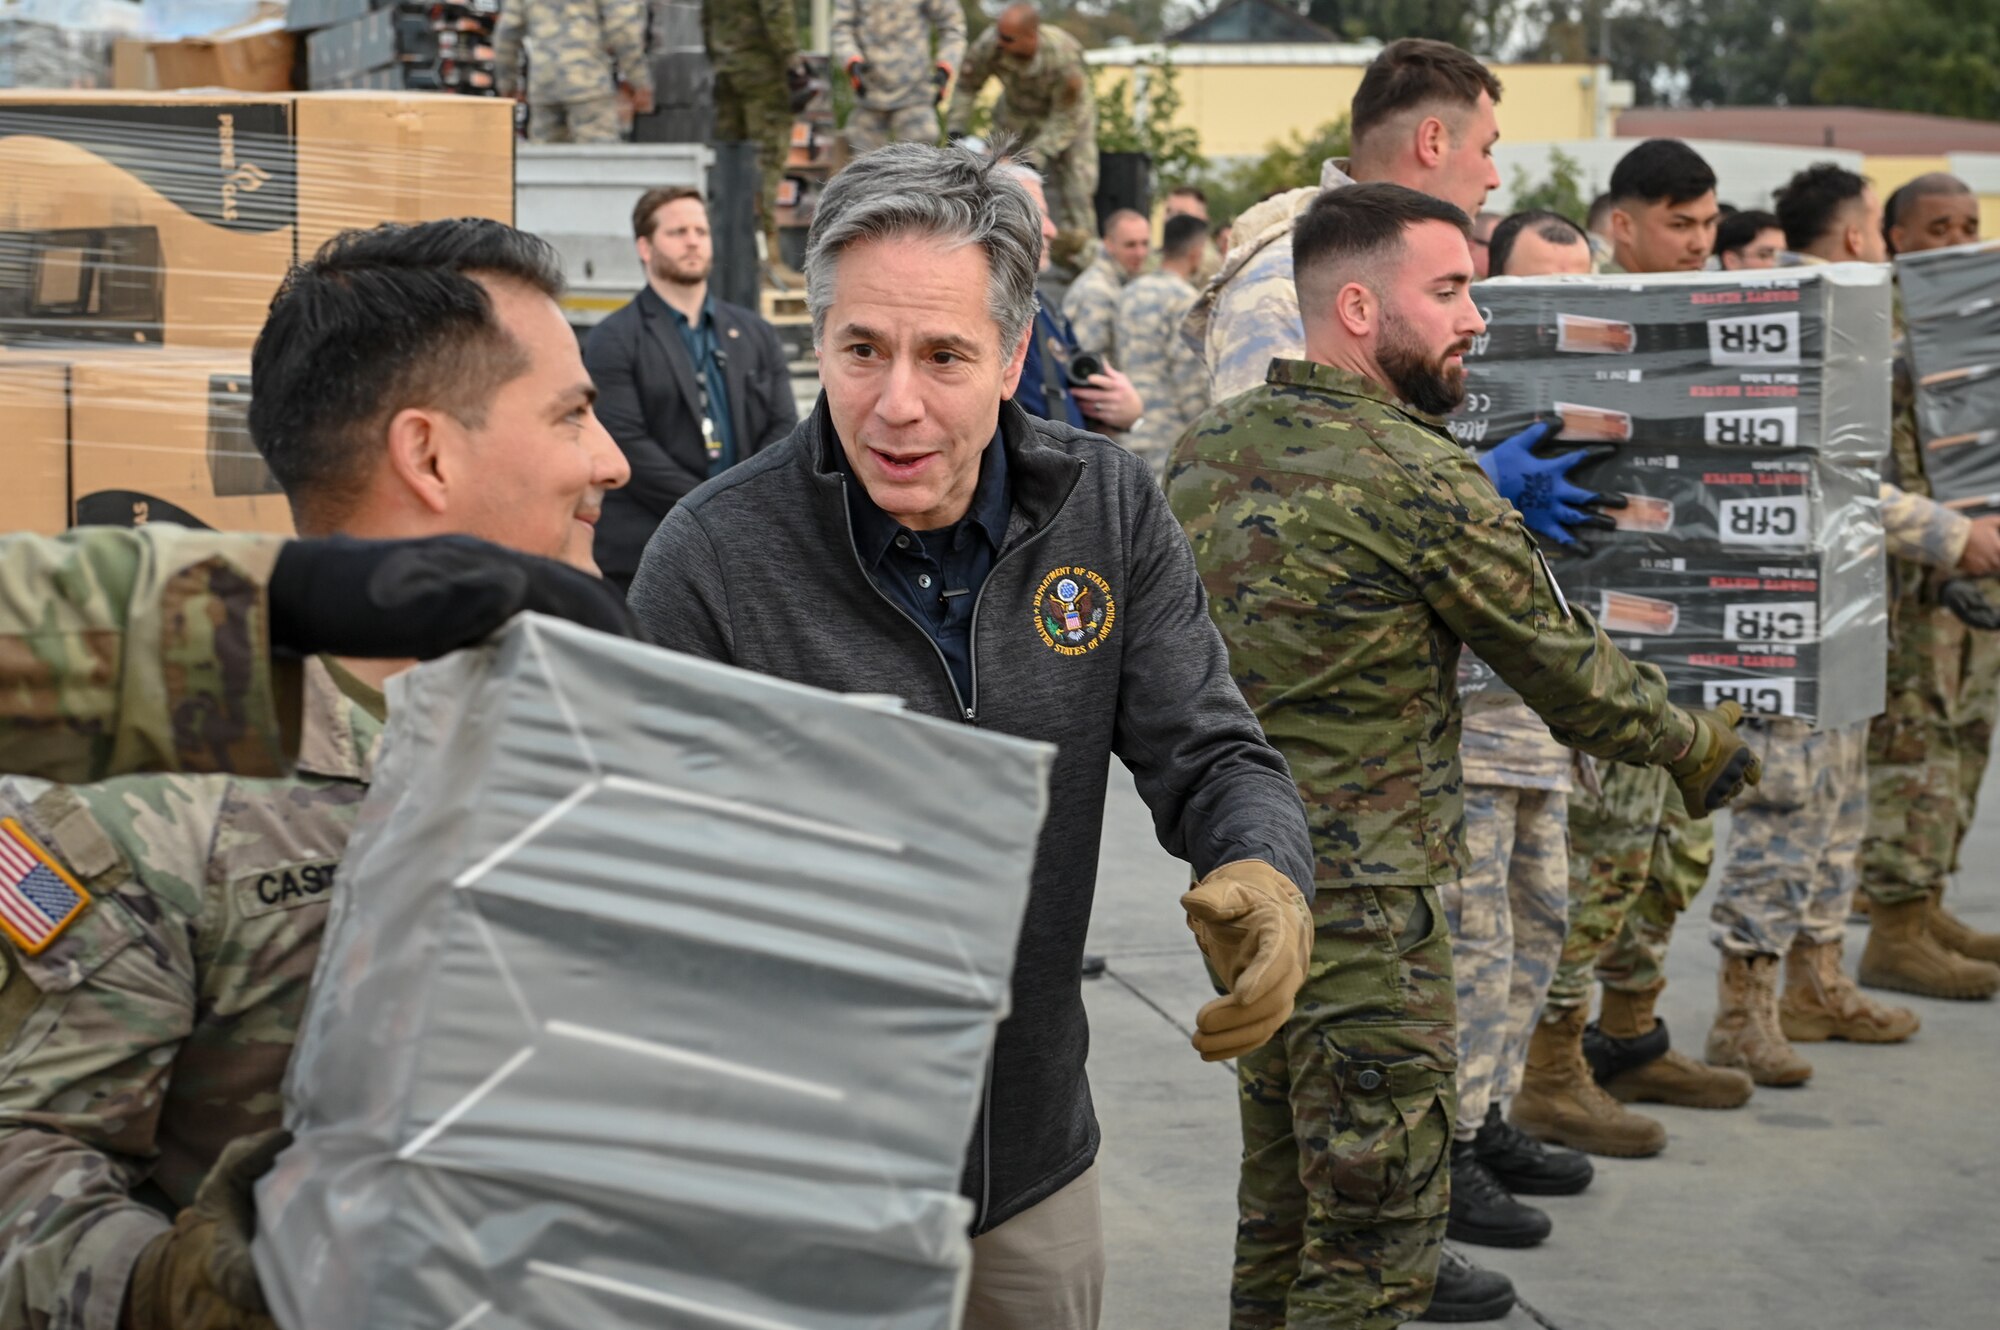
x,y
1718,764
197,1275
1256,930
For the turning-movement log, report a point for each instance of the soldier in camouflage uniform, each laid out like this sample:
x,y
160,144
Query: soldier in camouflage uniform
x,y
1047,104
754,46
146,1040
1091,303
1350,546
884,47
1927,749
1165,370
578,52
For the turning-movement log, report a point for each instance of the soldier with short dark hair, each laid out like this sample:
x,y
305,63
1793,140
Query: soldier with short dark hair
x,y
412,381
1351,549
1166,371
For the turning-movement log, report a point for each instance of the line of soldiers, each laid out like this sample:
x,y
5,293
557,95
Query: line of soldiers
x,y
1534,914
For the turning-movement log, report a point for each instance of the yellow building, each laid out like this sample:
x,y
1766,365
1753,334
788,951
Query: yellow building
x,y
1241,97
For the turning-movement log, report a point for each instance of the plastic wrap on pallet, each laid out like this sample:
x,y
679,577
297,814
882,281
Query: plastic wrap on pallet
x,y
1951,314
1745,416
142,236
669,1003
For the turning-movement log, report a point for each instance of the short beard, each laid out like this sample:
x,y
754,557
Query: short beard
x,y
665,270
1422,380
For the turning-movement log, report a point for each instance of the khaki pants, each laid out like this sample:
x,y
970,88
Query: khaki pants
x,y
1044,1268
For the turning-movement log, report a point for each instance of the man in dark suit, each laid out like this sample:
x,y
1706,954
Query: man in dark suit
x,y
687,384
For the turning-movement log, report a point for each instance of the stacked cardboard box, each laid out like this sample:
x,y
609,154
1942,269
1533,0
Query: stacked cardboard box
x,y
142,237
1952,319
1745,416
404,45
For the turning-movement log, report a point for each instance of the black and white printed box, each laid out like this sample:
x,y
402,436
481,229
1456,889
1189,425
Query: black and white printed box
x,y
1951,311
1683,499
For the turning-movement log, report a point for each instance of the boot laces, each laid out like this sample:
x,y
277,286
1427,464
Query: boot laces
x,y
1471,1177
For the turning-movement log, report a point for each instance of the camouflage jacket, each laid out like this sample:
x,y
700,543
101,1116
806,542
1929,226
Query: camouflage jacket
x,y
156,1027
1249,315
749,38
140,650
574,47
1091,306
894,37
1167,373
1349,547
1046,100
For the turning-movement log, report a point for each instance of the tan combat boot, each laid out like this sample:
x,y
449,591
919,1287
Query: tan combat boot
x,y
1746,1034
1559,1101
1670,1078
1954,934
1821,1002
1903,954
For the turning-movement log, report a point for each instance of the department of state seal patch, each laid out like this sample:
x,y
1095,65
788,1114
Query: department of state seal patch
x,y
1074,611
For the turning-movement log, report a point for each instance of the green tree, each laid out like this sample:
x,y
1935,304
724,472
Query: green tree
x,y
1935,56
1175,149
1562,192
1292,164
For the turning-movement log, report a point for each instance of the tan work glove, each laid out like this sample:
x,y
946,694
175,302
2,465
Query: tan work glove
x,y
1718,764
197,1275
1256,930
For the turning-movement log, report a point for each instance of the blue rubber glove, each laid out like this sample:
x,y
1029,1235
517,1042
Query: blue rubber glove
x,y
1540,486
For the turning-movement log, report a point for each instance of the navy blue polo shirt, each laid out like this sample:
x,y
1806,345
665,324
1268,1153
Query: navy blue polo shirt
x,y
1048,354
935,576
699,339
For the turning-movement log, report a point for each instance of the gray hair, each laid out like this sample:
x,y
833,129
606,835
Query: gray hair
x,y
951,194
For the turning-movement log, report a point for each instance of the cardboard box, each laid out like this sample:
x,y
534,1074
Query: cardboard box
x,y
157,219
162,438
132,65
251,57
34,419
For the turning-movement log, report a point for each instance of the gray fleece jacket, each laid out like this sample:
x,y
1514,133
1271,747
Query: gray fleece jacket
x,y
1091,633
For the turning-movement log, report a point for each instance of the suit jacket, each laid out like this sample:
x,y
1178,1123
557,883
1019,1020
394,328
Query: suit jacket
x,y
648,398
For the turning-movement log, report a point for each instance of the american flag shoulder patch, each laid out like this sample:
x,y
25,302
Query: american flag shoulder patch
x,y
38,897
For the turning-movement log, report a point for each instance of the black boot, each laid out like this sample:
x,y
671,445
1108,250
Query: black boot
x,y
1467,1293
1483,1211
1524,1165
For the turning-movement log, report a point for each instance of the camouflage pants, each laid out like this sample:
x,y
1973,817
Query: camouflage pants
x,y
1794,842
594,121
867,128
1927,751
1347,1119
1070,180
1636,861
1507,917
757,109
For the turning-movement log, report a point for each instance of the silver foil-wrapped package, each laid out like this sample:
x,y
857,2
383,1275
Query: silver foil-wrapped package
x,y
1745,417
654,993
1951,314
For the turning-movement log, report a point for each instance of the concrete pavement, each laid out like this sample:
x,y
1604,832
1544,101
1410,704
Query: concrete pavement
x,y
1868,1198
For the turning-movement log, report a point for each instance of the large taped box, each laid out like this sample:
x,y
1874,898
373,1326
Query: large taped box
x,y
163,219
1745,416
256,56
1951,313
662,995
1789,358
165,438
34,411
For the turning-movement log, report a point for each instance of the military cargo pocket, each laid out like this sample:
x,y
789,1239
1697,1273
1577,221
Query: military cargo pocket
x,y
1383,1150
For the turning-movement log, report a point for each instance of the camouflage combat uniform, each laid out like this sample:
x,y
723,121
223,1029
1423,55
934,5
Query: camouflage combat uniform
x,y
751,43
1046,102
578,51
1510,910
1164,370
1348,547
1927,750
156,1028
898,99
144,650
1091,306
1249,315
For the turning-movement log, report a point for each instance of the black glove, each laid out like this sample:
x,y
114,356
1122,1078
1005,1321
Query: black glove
x,y
390,599
1962,598
799,82
954,135
940,79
